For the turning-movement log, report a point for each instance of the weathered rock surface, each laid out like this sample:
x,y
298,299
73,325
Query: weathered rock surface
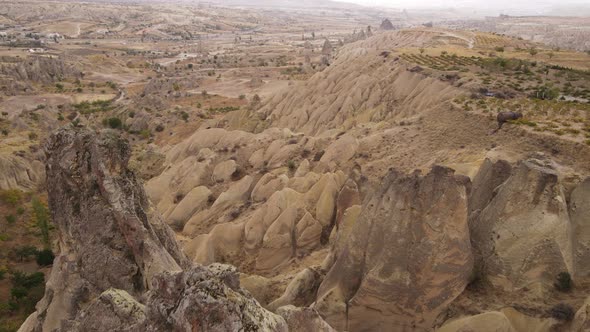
x,y
579,211
582,318
523,235
120,267
408,256
505,320
301,290
303,319
488,178
16,173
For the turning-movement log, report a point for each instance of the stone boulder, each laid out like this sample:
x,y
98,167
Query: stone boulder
x,y
407,257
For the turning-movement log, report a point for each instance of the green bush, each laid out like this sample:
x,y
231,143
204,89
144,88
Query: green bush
x,y
23,253
18,293
20,210
25,280
45,257
114,123
2,274
564,282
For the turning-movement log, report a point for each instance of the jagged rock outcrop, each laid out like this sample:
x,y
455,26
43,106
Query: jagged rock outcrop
x,y
523,236
407,257
386,25
119,265
327,48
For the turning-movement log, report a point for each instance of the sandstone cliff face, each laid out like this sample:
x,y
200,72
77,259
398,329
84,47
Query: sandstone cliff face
x,y
119,264
523,236
18,173
407,257
579,209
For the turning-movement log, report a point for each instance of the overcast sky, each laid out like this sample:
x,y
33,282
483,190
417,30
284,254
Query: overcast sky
x,y
529,5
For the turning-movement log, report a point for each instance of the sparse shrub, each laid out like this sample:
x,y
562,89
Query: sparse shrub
x,y
184,115
59,87
20,210
11,196
564,282
318,155
11,219
159,128
291,165
499,49
204,93
131,114
2,274
60,117
41,215
44,257
79,90
562,312
242,97
5,132
145,134
33,136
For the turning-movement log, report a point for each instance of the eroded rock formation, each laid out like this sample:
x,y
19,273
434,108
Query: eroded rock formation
x,y
119,264
406,258
523,236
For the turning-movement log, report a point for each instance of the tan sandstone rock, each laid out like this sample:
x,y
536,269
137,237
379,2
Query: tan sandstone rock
x,y
388,277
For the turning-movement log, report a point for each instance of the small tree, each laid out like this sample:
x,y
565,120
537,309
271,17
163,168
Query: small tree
x,y
25,252
533,51
44,257
41,216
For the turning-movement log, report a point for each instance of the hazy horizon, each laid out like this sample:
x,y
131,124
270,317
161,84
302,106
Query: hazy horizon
x,y
501,6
